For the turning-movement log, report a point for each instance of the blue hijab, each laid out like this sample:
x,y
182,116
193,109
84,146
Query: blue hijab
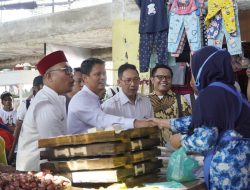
x,y
215,106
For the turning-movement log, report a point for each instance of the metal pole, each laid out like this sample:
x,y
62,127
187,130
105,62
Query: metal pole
x,y
1,12
44,48
69,4
53,6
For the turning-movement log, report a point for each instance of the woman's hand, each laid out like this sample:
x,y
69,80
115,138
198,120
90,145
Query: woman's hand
x,y
162,123
175,140
144,123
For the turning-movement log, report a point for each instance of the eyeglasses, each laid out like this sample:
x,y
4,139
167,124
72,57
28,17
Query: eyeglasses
x,y
129,81
68,70
161,77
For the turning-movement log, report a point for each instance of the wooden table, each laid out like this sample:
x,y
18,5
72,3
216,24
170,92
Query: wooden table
x,y
194,185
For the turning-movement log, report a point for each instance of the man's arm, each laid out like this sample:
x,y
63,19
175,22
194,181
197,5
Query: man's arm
x,y
95,117
151,111
16,135
21,111
17,128
144,123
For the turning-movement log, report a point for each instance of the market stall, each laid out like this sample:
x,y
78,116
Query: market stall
x,y
105,159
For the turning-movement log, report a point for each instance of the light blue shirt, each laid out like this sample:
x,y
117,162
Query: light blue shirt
x,y
120,105
85,112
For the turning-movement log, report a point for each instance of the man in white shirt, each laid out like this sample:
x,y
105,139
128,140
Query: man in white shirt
x,y
8,114
46,116
85,108
22,109
127,102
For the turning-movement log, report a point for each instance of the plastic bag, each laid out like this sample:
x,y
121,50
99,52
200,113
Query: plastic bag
x,y
181,167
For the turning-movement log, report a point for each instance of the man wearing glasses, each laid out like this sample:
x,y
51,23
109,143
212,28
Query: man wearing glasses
x,y
165,102
46,116
85,108
127,102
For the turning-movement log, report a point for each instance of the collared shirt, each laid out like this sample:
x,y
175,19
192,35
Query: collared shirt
x,y
46,117
120,105
85,112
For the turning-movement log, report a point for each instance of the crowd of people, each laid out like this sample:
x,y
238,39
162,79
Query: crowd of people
x,y
67,101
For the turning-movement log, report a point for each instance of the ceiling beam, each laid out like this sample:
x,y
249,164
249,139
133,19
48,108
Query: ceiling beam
x,y
25,5
11,63
102,53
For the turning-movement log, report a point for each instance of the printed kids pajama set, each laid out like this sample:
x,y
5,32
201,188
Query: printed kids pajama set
x,y
184,17
222,20
153,31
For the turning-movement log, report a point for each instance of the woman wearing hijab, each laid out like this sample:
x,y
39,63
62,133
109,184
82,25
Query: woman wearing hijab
x,y
220,123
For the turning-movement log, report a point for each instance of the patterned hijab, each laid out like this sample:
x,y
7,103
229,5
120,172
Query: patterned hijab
x,y
215,106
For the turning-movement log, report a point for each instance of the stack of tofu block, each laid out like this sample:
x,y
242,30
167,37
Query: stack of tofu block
x,y
106,157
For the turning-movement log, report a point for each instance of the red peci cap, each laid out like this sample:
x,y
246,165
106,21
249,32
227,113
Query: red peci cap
x,y
50,60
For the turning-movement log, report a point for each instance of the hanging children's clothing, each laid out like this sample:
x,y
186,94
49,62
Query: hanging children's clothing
x,y
182,7
184,16
226,7
148,42
181,45
178,23
218,28
153,31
